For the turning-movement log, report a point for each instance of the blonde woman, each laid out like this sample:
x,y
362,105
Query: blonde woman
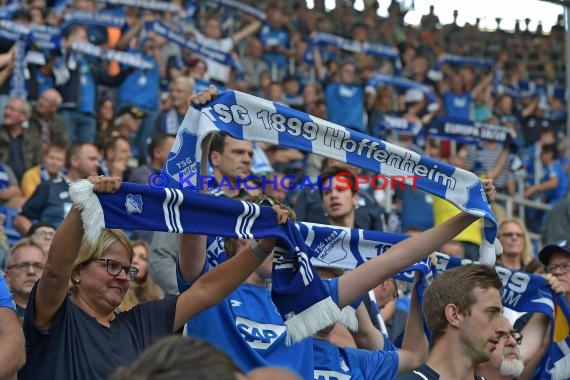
x,y
517,250
79,335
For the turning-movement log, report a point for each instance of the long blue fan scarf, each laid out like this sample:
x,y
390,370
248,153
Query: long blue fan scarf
x,y
246,117
375,50
92,19
129,59
182,41
160,6
244,8
300,297
436,74
400,82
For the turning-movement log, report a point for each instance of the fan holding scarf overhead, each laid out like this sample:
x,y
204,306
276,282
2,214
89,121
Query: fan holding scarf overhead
x,y
246,324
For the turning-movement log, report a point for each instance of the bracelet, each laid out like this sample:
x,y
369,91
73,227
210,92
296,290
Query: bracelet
x,y
259,252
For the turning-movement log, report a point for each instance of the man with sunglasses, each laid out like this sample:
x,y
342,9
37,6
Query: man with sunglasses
x,y
512,354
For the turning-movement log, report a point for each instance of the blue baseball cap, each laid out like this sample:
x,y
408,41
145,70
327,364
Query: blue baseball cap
x,y
550,249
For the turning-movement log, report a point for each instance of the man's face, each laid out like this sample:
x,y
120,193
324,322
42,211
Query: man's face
x,y
479,327
338,203
506,358
235,159
14,113
87,162
559,266
25,268
511,237
180,95
47,105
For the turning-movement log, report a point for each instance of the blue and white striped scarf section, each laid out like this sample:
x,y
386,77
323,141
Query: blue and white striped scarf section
x,y
468,132
375,50
400,82
193,46
18,83
92,19
38,36
246,117
160,6
400,125
436,74
129,59
244,8
297,291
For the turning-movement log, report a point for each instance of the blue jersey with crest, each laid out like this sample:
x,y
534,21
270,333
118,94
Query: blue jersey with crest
x,y
336,363
247,326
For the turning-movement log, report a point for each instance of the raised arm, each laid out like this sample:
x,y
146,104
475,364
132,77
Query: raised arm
x,y
400,256
415,345
53,285
367,337
216,284
12,352
246,31
535,330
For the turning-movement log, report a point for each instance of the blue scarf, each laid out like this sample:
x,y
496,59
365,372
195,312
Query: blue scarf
x,y
297,291
469,132
246,117
92,19
161,6
18,83
436,74
129,59
244,8
194,47
400,82
375,50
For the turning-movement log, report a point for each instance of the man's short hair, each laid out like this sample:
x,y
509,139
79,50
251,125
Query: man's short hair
x,y
75,150
187,82
455,286
217,143
25,242
157,141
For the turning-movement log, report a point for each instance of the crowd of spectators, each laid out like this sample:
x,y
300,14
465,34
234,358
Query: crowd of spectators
x,y
79,115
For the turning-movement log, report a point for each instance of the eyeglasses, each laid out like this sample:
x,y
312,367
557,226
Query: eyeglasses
x,y
26,264
512,234
517,336
44,234
563,267
114,268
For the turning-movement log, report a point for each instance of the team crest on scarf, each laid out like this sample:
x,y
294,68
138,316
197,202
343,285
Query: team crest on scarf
x,y
134,204
181,159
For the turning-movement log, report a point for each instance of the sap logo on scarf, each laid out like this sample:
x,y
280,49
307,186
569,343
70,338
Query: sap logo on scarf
x,y
259,335
329,375
228,114
514,284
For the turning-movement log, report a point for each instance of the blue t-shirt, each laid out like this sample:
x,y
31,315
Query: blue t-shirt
x,y
345,105
6,299
141,86
457,105
274,37
332,362
247,326
555,170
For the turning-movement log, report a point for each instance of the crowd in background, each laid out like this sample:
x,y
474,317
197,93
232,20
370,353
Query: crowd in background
x,y
82,115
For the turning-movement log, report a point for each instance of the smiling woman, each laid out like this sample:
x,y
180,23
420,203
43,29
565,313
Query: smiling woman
x,y
81,336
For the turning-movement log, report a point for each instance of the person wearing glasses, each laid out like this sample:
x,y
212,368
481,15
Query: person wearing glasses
x,y
556,259
517,249
24,266
77,334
